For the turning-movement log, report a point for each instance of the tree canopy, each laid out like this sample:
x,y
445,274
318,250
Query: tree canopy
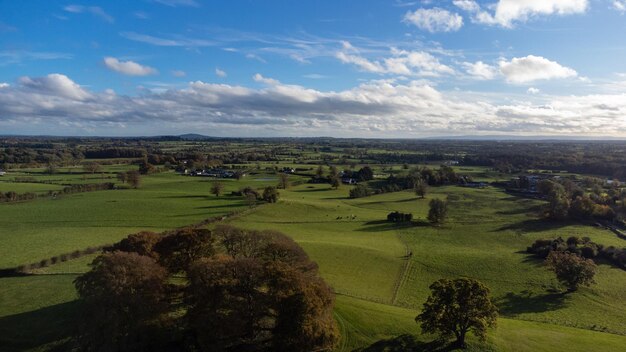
x,y
456,307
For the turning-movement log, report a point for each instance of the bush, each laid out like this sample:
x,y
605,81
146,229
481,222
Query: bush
x,y
399,217
360,191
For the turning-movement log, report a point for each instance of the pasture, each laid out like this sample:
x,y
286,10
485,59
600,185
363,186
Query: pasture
x,y
380,271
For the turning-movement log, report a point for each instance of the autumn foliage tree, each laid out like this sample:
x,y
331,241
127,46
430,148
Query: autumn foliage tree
x,y
456,307
243,290
123,295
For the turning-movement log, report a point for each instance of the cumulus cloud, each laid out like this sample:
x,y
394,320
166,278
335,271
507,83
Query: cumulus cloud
x,y
533,68
619,5
375,108
480,70
54,84
401,62
434,20
533,90
220,73
130,68
4,84
507,12
94,10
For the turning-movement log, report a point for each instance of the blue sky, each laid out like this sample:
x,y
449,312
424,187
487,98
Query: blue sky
x,y
314,68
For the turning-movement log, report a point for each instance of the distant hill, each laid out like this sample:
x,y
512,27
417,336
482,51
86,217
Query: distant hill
x,y
194,137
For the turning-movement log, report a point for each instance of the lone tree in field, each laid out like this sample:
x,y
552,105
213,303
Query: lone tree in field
x,y
217,188
438,211
420,188
92,167
335,182
270,194
133,178
122,295
121,176
571,269
456,307
319,173
283,181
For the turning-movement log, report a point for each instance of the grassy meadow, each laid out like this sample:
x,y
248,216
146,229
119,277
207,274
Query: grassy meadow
x,y
380,271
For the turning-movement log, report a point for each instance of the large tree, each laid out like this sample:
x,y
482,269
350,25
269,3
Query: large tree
x,y
438,211
123,295
263,291
456,307
571,269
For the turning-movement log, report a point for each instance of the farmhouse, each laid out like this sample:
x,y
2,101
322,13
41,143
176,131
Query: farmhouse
x,y
349,181
2,172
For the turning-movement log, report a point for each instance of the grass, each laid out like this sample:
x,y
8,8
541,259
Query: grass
x,y
379,289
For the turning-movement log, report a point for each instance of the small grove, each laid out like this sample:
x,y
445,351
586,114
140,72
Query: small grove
x,y
583,247
207,290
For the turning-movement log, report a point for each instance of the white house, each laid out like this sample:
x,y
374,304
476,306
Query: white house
x,y
2,172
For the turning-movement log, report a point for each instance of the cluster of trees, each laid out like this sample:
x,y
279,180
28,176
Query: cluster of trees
x,y
360,191
270,194
56,259
242,290
132,177
567,200
12,196
399,217
419,179
583,247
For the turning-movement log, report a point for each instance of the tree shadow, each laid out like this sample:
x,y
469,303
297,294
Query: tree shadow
x,y
50,325
533,210
405,343
384,225
534,225
513,304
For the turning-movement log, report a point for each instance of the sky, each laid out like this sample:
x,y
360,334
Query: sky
x,y
350,68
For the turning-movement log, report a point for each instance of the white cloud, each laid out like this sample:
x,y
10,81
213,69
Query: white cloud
x,y
434,20
173,41
467,5
533,90
176,3
533,68
375,108
179,73
401,62
4,85
220,73
130,68
55,84
480,70
94,10
507,12
619,5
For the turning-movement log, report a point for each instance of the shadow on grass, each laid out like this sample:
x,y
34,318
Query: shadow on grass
x,y
513,304
384,225
404,343
49,325
533,210
534,225
314,190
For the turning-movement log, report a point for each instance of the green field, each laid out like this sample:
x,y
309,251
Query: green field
x,y
379,288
